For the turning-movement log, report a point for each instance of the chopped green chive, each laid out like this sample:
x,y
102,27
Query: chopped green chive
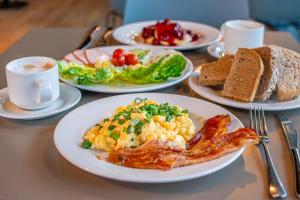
x,y
109,133
106,119
164,109
139,100
86,144
138,127
148,118
121,121
169,118
123,115
115,135
130,129
111,127
185,111
135,122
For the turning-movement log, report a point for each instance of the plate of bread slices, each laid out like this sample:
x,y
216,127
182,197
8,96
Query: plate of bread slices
x,y
267,76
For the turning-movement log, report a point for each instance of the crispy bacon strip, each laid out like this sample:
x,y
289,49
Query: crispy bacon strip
x,y
215,147
212,127
213,142
152,155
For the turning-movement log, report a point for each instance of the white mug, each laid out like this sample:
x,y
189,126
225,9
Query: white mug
x,y
242,34
33,82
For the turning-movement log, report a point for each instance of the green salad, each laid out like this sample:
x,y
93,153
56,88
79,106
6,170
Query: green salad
x,y
137,66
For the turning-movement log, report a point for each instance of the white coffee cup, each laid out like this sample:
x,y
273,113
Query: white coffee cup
x,y
33,82
242,34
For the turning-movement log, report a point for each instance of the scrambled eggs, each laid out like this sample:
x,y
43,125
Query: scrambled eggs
x,y
143,120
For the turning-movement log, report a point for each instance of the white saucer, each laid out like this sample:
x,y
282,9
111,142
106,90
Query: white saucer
x,y
69,96
216,50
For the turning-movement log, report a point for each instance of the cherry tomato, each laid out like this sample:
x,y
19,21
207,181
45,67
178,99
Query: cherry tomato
x,y
131,59
118,58
118,61
118,53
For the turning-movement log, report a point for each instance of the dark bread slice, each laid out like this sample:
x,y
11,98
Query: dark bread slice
x,y
270,56
215,73
244,76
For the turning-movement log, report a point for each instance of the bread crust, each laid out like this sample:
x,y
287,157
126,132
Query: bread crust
x,y
215,73
271,57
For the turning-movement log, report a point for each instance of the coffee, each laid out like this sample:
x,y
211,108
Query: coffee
x,y
33,82
33,68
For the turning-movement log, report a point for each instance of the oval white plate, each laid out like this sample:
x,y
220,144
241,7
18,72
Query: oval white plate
x,y
269,105
69,96
127,87
126,34
81,119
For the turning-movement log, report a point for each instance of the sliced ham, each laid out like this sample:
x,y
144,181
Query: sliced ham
x,y
80,55
70,58
95,54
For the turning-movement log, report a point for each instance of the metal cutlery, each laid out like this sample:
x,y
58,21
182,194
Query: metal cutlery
x,y
99,36
105,38
258,122
290,133
91,36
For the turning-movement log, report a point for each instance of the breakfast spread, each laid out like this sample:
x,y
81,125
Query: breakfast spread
x,y
139,66
255,74
151,135
168,33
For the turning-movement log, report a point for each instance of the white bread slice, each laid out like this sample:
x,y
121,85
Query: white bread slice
x,y
215,73
288,86
244,76
270,56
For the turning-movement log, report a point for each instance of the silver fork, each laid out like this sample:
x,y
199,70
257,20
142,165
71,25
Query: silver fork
x,y
258,122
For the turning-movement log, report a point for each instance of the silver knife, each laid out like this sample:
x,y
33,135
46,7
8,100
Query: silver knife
x,y
292,140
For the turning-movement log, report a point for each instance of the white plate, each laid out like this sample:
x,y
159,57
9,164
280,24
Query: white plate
x,y
127,87
126,34
69,96
270,105
81,119
216,50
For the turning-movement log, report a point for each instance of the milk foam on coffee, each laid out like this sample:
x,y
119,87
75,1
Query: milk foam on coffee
x,y
32,68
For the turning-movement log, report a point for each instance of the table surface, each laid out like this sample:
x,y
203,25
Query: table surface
x,y
32,168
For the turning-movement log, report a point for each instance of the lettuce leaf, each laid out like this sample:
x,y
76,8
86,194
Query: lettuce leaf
x,y
166,67
84,75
